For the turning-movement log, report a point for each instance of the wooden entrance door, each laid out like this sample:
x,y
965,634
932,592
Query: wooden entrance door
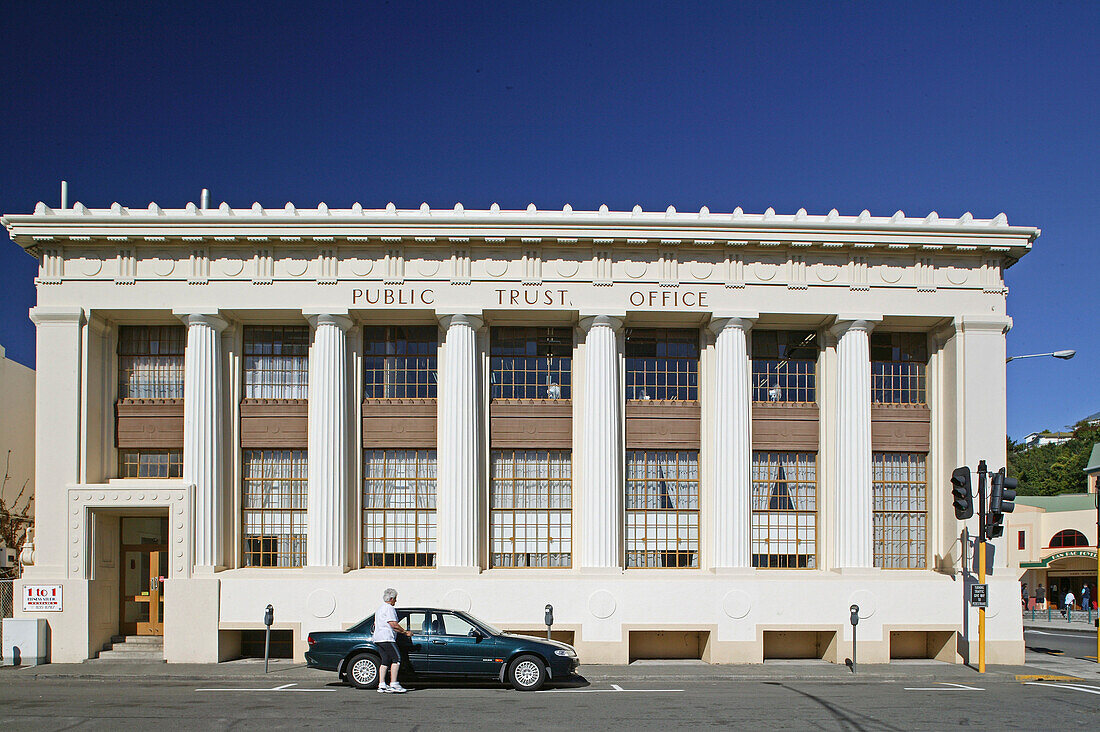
x,y
144,569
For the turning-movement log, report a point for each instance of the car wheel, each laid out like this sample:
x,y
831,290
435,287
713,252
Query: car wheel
x,y
362,671
527,673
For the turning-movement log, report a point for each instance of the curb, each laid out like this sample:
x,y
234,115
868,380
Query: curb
x,y
1058,629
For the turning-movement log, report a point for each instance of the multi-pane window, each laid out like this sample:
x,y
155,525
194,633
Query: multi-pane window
x,y
150,463
784,510
150,361
784,366
274,508
662,509
276,361
399,508
530,508
900,488
399,361
531,362
662,363
898,363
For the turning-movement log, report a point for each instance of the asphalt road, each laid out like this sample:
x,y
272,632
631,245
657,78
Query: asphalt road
x,y
68,703
1053,642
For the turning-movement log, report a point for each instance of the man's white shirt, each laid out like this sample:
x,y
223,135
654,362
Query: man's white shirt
x,y
383,632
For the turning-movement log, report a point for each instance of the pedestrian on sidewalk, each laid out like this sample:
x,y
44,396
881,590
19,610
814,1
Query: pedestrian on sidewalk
x,y
1023,594
1086,598
386,628
1067,603
1041,597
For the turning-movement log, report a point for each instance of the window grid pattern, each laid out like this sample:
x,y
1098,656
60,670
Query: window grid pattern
x,y
150,463
276,362
662,363
1068,538
662,509
274,508
784,366
899,484
150,361
898,363
784,510
399,508
531,363
399,362
531,501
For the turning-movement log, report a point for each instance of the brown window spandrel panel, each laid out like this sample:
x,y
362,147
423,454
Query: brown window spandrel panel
x,y
274,423
900,428
394,423
155,423
785,427
663,425
520,423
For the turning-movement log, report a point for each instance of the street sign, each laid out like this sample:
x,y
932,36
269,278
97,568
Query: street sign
x,y
979,595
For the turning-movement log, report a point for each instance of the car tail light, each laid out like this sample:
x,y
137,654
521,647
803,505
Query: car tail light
x,y
310,640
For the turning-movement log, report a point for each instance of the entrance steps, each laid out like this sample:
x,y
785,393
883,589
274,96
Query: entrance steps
x,y
139,648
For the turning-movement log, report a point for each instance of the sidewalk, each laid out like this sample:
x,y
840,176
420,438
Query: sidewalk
x,y
285,671
1079,623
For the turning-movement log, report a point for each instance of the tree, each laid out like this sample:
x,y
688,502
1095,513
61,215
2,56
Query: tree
x,y
1051,470
14,520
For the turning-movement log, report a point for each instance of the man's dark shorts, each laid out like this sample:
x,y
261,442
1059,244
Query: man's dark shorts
x,y
389,653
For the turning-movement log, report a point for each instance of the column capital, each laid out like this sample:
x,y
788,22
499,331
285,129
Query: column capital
x,y
970,324
590,320
474,320
47,314
343,322
846,322
202,317
742,321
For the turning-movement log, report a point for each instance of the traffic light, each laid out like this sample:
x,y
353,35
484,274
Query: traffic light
x,y
960,493
1002,491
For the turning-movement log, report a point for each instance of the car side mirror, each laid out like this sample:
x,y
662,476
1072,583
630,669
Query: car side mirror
x,y
475,633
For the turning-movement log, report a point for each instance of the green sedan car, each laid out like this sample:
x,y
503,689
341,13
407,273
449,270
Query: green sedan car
x,y
445,643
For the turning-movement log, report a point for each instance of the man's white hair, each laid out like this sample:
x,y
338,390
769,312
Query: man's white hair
x,y
389,594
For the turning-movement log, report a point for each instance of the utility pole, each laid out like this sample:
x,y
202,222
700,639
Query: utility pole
x,y
982,470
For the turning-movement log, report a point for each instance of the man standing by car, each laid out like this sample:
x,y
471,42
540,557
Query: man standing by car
x,y
385,629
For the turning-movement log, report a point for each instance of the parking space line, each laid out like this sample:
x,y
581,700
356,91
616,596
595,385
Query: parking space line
x,y
284,687
1072,687
615,689
955,687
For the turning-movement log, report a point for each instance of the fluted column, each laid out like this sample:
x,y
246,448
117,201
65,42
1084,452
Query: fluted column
x,y
732,444
601,487
457,516
853,533
327,458
202,433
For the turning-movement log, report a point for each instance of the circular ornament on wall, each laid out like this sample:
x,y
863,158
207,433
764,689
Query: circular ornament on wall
x,y
296,267
458,600
321,603
92,265
956,276
826,272
232,267
361,267
496,267
568,267
765,270
635,269
701,270
163,265
736,604
601,604
428,267
890,273
867,601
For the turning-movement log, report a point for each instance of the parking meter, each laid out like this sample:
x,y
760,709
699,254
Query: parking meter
x,y
269,618
855,621
549,619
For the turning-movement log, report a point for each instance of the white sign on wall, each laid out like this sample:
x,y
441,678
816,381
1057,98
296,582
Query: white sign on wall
x,y
41,598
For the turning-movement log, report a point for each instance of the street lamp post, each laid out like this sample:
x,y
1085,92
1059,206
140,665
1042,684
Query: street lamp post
x,y
1064,355
1096,500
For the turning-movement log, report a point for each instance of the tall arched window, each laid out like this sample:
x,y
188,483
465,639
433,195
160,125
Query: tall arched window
x,y
1067,538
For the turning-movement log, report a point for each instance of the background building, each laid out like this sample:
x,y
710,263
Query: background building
x,y
695,434
16,462
1052,539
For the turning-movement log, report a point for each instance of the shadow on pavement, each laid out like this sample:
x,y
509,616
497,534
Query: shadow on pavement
x,y
413,685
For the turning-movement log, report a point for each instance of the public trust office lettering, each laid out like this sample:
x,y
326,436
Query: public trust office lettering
x,y
668,299
392,296
528,296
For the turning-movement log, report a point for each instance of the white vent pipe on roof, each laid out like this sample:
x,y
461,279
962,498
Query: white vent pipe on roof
x,y
205,200
64,194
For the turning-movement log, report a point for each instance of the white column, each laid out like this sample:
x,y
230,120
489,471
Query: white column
x,y
851,480
327,458
732,444
202,433
601,489
457,472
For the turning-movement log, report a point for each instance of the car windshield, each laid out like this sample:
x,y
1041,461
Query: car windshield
x,y
488,626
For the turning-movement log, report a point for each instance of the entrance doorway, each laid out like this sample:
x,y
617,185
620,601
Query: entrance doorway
x,y
143,570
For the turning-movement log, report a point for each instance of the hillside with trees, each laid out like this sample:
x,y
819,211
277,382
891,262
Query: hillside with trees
x,y
1050,470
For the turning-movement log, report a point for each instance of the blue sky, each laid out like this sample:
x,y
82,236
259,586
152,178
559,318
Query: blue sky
x,y
953,107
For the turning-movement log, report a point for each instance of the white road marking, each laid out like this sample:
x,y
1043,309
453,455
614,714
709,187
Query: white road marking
x,y
1074,687
284,687
1060,635
956,687
615,689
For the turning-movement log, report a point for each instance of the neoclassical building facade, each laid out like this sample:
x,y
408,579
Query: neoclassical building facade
x,y
694,434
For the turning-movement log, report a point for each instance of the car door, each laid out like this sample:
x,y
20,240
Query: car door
x,y
455,651
414,651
